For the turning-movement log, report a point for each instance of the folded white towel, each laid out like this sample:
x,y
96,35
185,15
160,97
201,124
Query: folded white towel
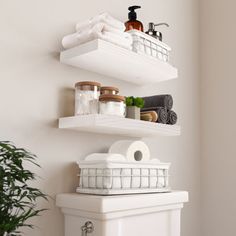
x,y
136,179
98,31
105,157
115,39
161,179
116,181
101,18
153,178
126,179
91,178
103,27
85,181
144,178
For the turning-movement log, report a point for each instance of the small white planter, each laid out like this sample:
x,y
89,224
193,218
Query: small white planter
x,y
133,112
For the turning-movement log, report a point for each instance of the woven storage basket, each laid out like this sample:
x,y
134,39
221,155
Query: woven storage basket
x,y
107,177
147,45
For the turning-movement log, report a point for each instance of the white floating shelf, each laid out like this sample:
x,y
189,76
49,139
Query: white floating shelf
x,y
117,126
108,59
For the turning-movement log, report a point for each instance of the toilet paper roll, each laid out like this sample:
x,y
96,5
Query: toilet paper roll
x,y
132,150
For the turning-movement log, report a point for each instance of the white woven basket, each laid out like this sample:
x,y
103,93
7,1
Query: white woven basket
x,y
108,177
147,45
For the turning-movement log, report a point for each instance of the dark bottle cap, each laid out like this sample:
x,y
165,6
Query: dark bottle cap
x,y
132,13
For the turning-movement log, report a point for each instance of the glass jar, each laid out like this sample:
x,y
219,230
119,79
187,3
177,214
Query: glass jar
x,y
86,97
112,105
109,90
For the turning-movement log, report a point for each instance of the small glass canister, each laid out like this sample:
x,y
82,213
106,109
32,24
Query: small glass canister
x,y
110,104
109,90
86,97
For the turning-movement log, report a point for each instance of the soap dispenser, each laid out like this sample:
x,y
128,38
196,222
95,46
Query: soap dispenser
x,y
152,32
133,23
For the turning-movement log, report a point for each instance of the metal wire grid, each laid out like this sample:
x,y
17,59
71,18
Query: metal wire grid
x,y
146,46
98,178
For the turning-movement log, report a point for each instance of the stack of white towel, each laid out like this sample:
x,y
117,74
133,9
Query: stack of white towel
x,y
102,26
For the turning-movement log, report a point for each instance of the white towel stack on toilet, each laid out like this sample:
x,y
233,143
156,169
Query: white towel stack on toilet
x,y
102,26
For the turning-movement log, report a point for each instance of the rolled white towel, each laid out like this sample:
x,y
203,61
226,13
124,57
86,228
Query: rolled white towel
x,y
70,41
98,31
101,18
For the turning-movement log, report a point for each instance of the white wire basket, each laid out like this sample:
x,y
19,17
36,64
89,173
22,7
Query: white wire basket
x,y
147,45
108,177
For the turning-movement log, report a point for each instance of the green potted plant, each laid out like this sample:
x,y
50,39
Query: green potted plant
x,y
18,200
133,106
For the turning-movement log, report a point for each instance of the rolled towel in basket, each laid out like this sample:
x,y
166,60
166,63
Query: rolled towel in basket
x,y
98,31
161,113
101,18
172,118
164,100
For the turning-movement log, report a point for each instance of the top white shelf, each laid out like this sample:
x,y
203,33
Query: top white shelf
x,y
107,59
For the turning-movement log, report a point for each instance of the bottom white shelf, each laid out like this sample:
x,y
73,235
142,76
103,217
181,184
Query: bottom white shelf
x,y
117,126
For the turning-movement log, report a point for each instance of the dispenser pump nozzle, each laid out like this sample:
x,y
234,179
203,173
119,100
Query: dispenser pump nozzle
x,y
132,13
156,34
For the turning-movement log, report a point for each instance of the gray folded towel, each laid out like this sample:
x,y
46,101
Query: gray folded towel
x,y
165,100
172,118
161,112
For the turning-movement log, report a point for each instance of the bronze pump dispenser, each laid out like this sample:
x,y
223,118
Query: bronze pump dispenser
x,y
152,32
133,23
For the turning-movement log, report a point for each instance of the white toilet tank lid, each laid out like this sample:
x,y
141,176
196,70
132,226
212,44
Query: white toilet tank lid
x,y
108,204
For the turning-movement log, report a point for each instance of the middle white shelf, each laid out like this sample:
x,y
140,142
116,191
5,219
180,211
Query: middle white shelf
x,y
106,124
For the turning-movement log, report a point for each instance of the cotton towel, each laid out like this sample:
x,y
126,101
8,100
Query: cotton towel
x,y
161,113
165,100
101,18
172,118
98,31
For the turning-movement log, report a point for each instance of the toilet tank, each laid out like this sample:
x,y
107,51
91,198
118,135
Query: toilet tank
x,y
124,215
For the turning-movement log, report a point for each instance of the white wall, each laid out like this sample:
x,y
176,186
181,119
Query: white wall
x,y
218,37
36,89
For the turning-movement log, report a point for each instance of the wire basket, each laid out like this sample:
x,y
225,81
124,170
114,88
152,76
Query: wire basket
x,y
123,178
147,45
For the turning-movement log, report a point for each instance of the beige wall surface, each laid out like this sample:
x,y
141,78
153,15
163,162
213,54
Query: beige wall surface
x,y
218,115
36,90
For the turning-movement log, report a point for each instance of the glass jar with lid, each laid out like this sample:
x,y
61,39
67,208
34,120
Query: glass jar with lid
x,y
109,90
86,97
110,104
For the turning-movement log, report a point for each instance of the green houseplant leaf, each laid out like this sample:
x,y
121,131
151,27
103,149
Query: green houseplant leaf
x,y
129,101
18,201
132,101
139,102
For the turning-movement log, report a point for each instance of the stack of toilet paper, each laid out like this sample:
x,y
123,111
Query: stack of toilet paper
x,y
126,168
